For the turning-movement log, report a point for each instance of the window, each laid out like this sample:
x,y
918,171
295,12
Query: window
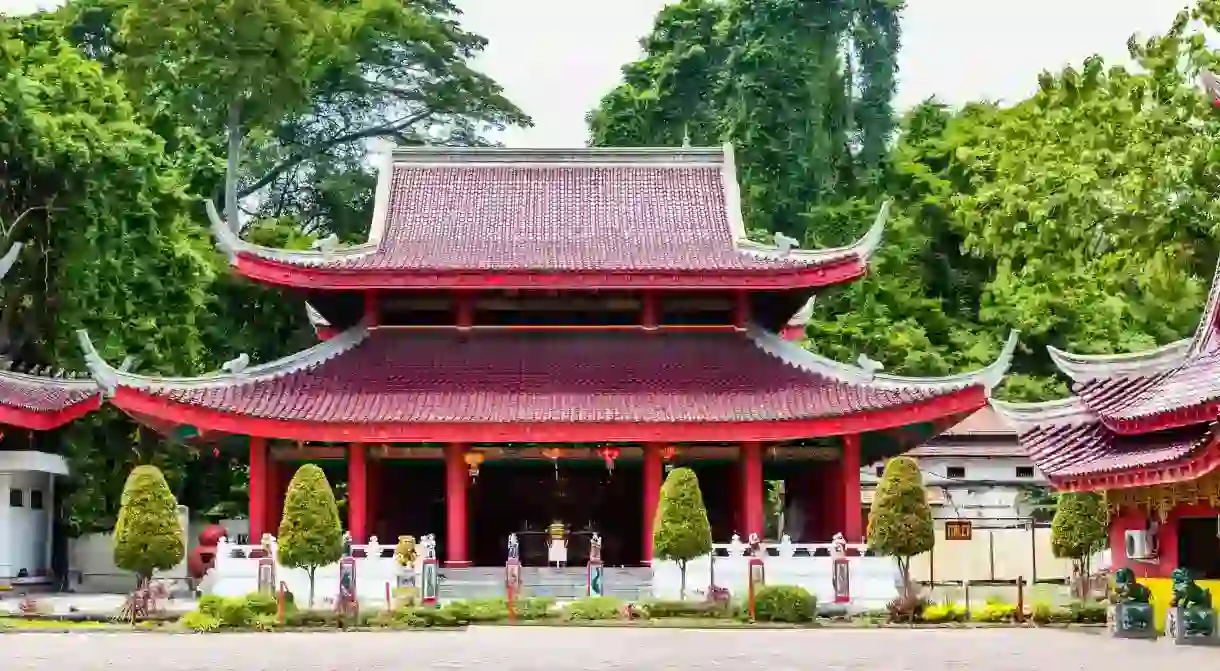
x,y
1025,471
955,472
880,471
36,499
16,498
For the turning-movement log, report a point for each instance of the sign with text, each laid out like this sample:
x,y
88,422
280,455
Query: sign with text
x,y
958,530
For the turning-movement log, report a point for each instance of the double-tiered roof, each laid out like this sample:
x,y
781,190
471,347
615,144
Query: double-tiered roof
x,y
589,219
1142,418
41,402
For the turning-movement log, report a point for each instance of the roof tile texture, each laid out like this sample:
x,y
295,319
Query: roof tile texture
x,y
504,376
577,217
1090,449
34,394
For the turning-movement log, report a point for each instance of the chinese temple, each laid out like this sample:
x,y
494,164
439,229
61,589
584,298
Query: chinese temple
x,y
32,401
1141,429
527,340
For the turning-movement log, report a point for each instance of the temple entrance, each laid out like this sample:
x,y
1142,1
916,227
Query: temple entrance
x,y
525,497
410,500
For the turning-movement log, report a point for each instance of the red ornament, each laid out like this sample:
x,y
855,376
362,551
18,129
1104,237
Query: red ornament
x,y
609,454
203,557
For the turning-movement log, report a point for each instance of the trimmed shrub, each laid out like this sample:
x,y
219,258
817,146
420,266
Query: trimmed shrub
x,y
147,535
899,520
310,533
945,612
263,604
784,603
690,609
593,608
200,622
992,611
534,608
681,531
1087,612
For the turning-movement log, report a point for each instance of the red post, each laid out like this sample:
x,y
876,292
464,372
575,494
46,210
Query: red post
x,y
455,503
849,480
741,309
649,317
752,496
357,492
372,309
653,469
258,489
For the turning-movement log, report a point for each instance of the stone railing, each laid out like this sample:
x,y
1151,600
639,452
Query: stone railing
x,y
873,580
235,572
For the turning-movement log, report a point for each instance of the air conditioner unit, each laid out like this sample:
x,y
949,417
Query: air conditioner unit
x,y
1139,545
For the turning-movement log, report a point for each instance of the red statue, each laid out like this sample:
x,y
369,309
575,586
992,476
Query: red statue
x,y
203,557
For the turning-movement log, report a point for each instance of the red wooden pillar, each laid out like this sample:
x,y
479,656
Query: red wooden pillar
x,y
752,495
849,483
357,492
258,488
652,496
455,503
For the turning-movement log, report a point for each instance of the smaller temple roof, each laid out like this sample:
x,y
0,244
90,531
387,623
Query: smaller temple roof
x,y
514,385
553,219
1165,387
41,402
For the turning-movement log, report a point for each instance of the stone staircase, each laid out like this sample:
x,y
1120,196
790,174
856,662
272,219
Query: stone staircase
x,y
561,584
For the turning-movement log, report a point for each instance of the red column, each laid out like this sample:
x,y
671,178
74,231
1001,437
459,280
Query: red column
x,y
752,496
849,482
455,504
259,483
357,492
652,496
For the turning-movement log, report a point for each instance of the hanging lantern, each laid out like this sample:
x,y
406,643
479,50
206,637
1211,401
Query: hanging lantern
x,y
553,453
668,452
609,454
473,460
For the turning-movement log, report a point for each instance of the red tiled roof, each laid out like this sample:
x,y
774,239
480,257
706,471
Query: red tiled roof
x,y
36,402
396,376
1089,449
595,210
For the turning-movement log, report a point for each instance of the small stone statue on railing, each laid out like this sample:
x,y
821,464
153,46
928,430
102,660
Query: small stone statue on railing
x,y
838,546
267,543
595,548
756,546
786,548
514,548
428,542
736,547
347,544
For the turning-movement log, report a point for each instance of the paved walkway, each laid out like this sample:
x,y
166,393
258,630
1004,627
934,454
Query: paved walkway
x,y
573,649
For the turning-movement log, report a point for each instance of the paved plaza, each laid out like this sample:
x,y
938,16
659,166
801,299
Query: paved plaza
x,y
509,649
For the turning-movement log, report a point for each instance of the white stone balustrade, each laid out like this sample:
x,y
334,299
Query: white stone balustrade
x,y
235,573
874,580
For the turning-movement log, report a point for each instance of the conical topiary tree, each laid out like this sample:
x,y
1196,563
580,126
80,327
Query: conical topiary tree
x,y
681,531
310,533
900,521
147,536
1079,529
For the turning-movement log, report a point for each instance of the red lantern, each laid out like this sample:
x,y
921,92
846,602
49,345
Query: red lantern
x,y
668,452
473,460
609,454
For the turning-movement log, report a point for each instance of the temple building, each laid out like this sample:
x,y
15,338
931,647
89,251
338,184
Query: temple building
x,y
1141,429
32,401
530,336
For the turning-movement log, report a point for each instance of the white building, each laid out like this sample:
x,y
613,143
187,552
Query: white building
x,y
975,471
27,493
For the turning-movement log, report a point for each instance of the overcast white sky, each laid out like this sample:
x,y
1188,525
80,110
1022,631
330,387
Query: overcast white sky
x,y
556,58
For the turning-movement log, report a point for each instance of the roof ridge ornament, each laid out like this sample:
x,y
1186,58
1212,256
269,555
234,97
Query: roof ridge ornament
x,y
784,244
237,364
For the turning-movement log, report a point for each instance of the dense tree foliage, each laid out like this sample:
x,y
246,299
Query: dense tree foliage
x,y
1082,216
116,121
148,536
310,534
681,531
1079,530
899,519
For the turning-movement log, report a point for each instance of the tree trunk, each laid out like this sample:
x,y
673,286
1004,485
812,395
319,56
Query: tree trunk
x,y
682,582
233,126
312,571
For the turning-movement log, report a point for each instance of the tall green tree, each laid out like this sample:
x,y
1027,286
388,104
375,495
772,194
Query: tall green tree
x,y
310,535
148,536
681,531
1079,530
899,520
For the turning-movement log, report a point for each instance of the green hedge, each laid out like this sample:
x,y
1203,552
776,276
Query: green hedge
x,y
784,603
